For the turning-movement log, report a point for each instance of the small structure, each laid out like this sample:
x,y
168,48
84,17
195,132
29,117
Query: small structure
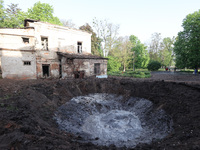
x,y
43,50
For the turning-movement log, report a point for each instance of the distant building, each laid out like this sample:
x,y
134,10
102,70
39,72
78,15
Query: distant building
x,y
43,50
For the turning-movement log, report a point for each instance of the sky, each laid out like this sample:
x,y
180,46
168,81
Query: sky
x,y
141,18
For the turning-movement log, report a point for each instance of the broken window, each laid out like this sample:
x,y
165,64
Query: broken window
x,y
25,40
97,68
44,41
45,70
79,47
27,63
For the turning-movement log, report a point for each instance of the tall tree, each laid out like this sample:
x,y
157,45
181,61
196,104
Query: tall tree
x,y
187,45
2,13
14,16
43,12
95,41
68,23
107,32
122,51
11,17
154,46
140,53
166,54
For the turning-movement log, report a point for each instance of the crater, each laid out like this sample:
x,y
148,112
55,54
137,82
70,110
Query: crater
x,y
111,119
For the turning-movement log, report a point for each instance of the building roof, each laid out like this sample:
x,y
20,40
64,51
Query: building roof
x,y
80,56
56,26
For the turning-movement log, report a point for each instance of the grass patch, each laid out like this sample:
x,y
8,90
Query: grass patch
x,y
128,73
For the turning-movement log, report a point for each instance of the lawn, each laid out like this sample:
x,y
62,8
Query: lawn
x,y
129,73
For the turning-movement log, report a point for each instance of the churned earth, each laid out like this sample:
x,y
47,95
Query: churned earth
x,y
27,110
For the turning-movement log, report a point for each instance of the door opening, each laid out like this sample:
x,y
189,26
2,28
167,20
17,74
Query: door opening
x,y
45,70
60,68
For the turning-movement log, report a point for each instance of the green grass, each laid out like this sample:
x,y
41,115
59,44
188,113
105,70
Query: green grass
x,y
129,73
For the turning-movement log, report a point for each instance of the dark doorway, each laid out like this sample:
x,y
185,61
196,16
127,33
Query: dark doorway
x,y
97,68
45,70
60,68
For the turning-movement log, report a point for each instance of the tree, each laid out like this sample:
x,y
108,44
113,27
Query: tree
x,y
2,14
12,17
43,12
154,46
113,63
187,45
95,41
68,23
141,56
107,32
166,54
122,51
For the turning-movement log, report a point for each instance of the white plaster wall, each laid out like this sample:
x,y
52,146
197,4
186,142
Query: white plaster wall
x,y
67,38
15,42
13,65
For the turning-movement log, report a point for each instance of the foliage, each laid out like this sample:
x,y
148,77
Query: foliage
x,y
153,66
187,45
95,41
140,53
2,13
122,51
135,74
43,12
154,46
113,64
165,54
107,32
12,17
161,50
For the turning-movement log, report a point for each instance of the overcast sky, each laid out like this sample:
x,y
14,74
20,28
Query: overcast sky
x,y
135,17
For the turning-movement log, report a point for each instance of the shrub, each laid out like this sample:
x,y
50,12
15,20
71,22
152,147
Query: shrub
x,y
113,64
154,66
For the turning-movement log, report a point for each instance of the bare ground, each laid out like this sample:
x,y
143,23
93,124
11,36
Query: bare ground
x,y
27,109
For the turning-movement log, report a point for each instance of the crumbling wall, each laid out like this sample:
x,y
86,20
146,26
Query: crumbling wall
x,y
69,66
54,67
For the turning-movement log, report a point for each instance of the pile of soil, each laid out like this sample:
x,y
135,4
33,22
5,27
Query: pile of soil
x,y
27,109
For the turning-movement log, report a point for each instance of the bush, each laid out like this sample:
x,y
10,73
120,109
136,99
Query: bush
x,y
113,64
154,66
135,74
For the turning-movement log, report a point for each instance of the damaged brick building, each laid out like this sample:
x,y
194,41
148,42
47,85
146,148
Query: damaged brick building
x,y
43,50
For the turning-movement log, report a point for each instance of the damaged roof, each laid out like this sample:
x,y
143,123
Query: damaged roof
x,y
80,56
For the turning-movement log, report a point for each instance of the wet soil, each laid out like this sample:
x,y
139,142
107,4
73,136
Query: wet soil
x,y
27,109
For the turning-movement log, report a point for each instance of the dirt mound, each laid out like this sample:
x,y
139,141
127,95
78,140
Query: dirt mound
x,y
27,109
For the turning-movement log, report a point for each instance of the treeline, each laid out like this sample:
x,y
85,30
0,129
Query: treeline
x,y
128,52
123,52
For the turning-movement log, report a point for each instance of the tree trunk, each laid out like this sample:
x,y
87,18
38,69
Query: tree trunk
x,y
124,68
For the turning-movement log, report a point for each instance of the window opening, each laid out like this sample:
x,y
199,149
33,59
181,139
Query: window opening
x,y
97,68
45,70
25,40
69,61
79,47
27,63
44,41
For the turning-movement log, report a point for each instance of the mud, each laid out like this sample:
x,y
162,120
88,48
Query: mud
x,y
27,109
